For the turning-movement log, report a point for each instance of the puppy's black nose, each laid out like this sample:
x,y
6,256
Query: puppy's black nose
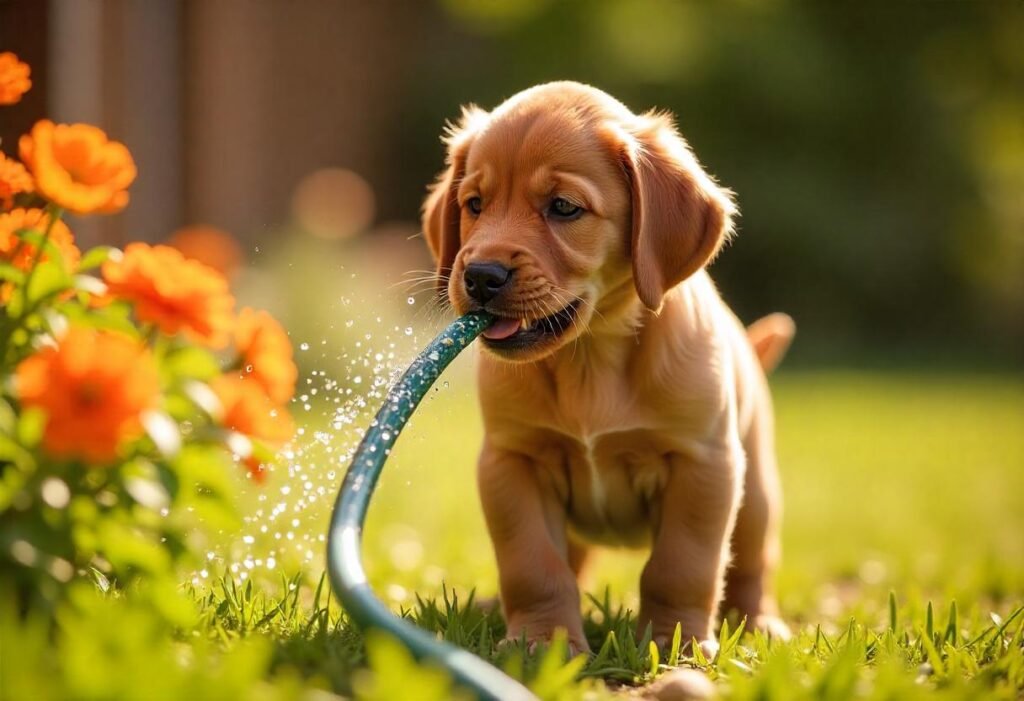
x,y
485,280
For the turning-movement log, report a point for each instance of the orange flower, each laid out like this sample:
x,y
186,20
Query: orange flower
x,y
266,354
250,412
22,254
175,293
77,167
14,179
210,246
93,387
14,81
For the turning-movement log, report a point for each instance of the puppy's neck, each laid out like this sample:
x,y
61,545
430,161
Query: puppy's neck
x,y
622,329
616,320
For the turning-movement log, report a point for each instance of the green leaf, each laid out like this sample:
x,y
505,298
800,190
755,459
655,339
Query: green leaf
x,y
8,418
677,644
191,362
100,579
30,427
129,548
95,257
169,479
36,238
653,655
952,628
48,280
115,317
394,674
10,273
16,474
554,675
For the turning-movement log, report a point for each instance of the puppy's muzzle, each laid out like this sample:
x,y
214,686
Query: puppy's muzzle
x,y
484,281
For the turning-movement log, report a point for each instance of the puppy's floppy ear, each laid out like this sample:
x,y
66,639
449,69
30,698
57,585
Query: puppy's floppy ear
x,y
440,215
680,216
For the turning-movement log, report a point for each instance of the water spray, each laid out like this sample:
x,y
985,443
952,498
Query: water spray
x,y
344,539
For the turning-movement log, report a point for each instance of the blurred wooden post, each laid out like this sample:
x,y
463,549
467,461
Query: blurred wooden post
x,y
278,89
227,104
117,64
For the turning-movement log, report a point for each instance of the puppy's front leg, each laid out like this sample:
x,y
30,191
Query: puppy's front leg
x,y
527,528
682,581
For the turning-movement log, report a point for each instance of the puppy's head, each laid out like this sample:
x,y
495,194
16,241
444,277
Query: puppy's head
x,y
561,208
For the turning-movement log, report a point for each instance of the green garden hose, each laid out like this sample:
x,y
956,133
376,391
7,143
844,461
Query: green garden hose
x,y
344,563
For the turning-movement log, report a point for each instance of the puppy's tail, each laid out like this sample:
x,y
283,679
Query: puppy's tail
x,y
770,336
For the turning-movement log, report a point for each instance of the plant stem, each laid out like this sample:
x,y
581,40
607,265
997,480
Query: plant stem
x,y
9,327
55,213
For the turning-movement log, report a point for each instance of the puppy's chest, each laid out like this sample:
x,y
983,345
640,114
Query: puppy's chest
x,y
610,484
603,446
607,463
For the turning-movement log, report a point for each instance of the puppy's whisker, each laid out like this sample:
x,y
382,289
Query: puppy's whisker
x,y
419,287
586,303
437,307
420,271
561,304
414,275
414,282
573,319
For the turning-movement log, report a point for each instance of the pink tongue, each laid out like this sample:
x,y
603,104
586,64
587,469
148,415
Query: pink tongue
x,y
502,328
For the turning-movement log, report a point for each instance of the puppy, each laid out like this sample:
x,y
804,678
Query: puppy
x,y
623,402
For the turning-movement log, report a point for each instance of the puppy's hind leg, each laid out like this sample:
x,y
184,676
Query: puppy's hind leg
x,y
755,540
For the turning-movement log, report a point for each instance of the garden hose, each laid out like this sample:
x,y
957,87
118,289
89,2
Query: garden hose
x,y
344,563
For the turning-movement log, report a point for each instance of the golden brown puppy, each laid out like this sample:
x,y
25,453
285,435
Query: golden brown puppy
x,y
623,402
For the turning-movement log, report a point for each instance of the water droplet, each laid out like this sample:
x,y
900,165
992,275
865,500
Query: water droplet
x,y
411,300
408,331
304,346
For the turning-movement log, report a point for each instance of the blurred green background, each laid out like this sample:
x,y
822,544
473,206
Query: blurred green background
x,y
876,148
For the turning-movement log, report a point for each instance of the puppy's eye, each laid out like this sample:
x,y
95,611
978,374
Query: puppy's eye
x,y
475,205
564,209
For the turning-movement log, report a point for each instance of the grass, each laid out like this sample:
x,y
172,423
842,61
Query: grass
x,y
903,571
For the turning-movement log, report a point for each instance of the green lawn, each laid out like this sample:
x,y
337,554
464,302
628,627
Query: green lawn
x,y
894,482
914,483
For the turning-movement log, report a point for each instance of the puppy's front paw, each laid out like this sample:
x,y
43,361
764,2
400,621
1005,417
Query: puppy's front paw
x,y
541,626
574,646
